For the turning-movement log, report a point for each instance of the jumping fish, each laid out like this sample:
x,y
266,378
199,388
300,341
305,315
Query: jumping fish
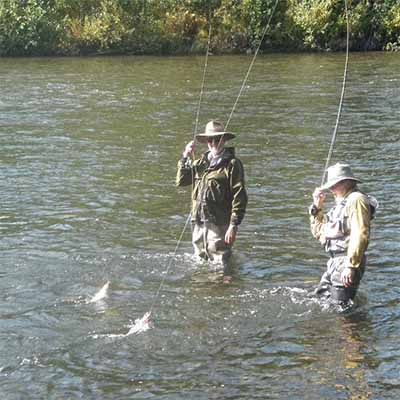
x,y
101,294
141,325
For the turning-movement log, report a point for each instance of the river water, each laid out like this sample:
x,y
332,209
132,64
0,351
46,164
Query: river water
x,y
88,152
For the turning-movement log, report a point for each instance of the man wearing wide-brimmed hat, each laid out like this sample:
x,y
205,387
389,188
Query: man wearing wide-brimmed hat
x,y
343,231
219,196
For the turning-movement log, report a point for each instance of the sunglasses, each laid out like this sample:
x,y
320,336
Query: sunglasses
x,y
215,139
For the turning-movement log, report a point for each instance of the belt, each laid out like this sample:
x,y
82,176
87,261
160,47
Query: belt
x,y
333,254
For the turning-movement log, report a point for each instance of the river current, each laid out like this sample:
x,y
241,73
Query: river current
x,y
88,153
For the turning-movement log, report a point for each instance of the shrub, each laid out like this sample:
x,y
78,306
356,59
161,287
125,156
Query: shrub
x,y
391,22
99,31
38,27
28,27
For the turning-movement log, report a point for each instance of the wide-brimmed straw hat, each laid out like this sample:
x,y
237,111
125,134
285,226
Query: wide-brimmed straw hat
x,y
337,173
214,129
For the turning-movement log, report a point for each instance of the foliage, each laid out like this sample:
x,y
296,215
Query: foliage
x,y
315,19
28,27
391,23
99,28
39,27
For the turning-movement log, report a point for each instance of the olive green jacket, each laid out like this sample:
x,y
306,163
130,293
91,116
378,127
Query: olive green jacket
x,y
218,192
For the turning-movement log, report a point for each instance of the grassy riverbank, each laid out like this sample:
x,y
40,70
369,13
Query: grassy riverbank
x,y
81,27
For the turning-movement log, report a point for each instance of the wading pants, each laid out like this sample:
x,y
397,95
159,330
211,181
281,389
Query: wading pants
x,y
331,285
209,242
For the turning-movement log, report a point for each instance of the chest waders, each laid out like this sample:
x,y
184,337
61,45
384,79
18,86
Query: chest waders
x,y
204,216
337,231
337,242
200,213
212,234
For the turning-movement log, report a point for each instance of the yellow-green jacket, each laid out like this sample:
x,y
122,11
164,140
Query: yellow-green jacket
x,y
346,227
218,192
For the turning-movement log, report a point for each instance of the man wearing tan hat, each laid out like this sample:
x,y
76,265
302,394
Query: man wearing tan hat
x,y
219,196
343,231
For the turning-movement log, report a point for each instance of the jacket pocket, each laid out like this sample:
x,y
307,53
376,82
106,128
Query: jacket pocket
x,y
215,192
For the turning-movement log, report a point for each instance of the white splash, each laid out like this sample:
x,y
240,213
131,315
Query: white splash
x,y
140,325
101,294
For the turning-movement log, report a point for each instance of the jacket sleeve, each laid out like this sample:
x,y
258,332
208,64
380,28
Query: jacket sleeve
x,y
238,191
184,175
358,211
317,226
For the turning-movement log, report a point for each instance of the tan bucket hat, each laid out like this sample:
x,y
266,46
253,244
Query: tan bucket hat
x,y
337,173
214,129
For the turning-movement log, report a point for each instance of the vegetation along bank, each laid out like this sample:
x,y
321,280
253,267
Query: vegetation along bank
x,y
83,27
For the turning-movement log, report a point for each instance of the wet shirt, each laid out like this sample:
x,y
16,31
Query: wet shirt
x,y
218,187
346,227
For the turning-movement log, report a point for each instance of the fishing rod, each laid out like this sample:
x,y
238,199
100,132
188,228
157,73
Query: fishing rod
x,y
335,131
204,78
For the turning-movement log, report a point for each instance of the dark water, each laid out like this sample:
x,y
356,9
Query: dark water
x,y
88,149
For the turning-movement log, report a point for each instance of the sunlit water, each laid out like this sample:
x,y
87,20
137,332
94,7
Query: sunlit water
x,y
88,151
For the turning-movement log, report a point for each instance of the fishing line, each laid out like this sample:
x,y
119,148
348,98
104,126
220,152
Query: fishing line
x,y
251,64
203,81
194,137
250,68
328,160
171,260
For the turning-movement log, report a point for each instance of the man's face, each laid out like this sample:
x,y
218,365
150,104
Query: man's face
x,y
339,188
215,144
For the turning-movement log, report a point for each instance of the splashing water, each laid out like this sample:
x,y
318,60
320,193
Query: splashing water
x,y
140,325
101,294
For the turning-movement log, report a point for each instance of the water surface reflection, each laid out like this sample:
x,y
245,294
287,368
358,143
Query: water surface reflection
x,y
88,149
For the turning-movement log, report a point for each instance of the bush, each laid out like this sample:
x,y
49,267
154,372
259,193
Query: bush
x,y
38,27
101,30
319,22
391,22
28,27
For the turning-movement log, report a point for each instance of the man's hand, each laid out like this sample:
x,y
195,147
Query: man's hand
x,y
189,149
230,235
347,276
318,198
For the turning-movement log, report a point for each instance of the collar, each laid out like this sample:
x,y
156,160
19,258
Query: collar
x,y
227,154
338,200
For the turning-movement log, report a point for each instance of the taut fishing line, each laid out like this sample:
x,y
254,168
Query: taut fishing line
x,y
142,324
253,60
203,80
328,160
194,136
251,64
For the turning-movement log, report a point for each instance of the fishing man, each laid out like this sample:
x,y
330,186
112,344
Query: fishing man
x,y
219,196
344,232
